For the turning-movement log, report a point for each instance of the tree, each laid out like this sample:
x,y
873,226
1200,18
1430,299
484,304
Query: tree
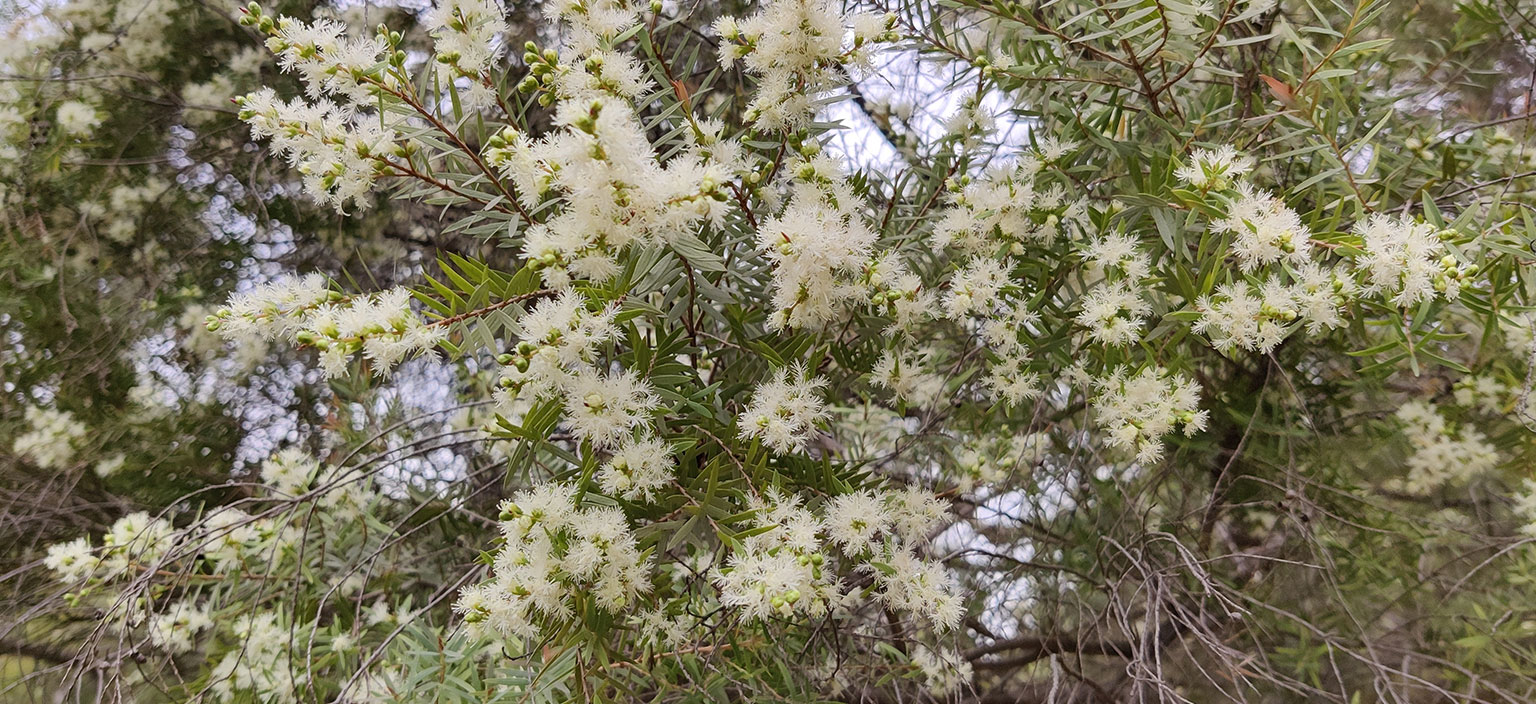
x,y
968,351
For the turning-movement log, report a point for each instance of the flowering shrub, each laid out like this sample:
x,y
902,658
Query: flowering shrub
x,y
1073,351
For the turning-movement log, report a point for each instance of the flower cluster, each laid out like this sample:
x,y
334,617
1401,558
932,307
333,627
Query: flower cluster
x,y
327,58
909,376
272,310
467,34
1266,230
229,536
613,190
135,539
224,539
975,288
338,139
1442,454
785,410
292,474
781,570
51,437
264,664
1407,261
980,466
1138,409
1237,316
604,409
77,118
592,23
1012,205
339,153
289,472
944,671
637,470
175,628
1483,393
819,248
1007,330
381,326
72,561
559,560
560,337
784,567
610,410
1214,169
1256,315
1525,507
119,217
796,48
1114,311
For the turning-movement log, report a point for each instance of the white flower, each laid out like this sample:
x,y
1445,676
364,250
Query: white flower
x,y
137,538
270,310
614,191
1235,318
1483,393
1009,378
637,469
72,561
604,408
262,661
1525,507
110,465
174,629
592,21
228,534
555,552
1442,455
1267,231
768,583
944,671
380,325
1114,314
326,58
914,513
565,324
907,376
467,33
1209,169
77,119
50,439
1136,411
1117,254
853,520
343,643
785,410
290,472
378,612
339,152
778,572
921,588
975,287
1006,204
1319,295
817,251
793,47
1406,261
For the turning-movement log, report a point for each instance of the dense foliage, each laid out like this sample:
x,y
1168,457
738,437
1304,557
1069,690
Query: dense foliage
x,y
924,350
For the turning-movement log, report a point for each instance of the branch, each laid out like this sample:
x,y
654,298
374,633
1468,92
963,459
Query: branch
x,y
36,651
1037,647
